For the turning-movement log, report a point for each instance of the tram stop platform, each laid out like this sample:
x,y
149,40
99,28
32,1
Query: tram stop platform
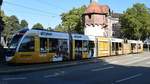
x,y
14,69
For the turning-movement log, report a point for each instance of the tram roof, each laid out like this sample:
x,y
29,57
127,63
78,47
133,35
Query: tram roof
x,y
116,40
48,34
135,41
92,38
54,34
79,37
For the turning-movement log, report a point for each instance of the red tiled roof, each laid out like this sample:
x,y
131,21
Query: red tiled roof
x,y
96,8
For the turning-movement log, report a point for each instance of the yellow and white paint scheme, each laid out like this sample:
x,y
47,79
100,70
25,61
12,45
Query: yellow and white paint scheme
x,y
80,46
116,46
46,46
136,46
103,46
37,56
126,47
39,46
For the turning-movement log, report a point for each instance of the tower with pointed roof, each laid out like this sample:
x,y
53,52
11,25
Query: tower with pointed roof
x,y
96,19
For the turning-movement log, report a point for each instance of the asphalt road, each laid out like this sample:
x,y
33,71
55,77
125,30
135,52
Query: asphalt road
x,y
129,69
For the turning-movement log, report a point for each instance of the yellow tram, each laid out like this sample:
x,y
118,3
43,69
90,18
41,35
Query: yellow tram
x,y
39,46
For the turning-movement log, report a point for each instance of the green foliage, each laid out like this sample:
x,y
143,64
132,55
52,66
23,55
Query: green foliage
x,y
2,13
72,21
49,29
24,24
135,22
12,25
38,26
59,28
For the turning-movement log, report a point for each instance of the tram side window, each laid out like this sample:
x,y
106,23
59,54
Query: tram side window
x,y
139,46
113,46
117,46
43,44
120,46
133,46
53,45
63,45
78,45
27,44
91,44
91,48
85,46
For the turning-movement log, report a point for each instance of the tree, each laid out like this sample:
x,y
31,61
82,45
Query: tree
x,y
135,22
24,24
72,21
59,28
1,20
11,26
49,29
38,26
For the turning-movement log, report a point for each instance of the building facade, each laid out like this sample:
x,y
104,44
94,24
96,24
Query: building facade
x,y
98,20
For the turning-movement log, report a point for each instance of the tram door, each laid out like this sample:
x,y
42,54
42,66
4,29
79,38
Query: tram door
x,y
78,49
91,49
63,49
58,49
133,48
43,50
85,49
113,48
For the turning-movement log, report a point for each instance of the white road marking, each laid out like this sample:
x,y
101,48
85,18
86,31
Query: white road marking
x,y
20,78
136,57
119,57
106,64
136,61
128,78
114,61
52,75
101,69
147,62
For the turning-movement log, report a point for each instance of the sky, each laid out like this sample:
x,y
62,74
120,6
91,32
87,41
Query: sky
x,y
48,12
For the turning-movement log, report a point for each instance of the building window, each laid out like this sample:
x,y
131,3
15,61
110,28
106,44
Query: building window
x,y
90,16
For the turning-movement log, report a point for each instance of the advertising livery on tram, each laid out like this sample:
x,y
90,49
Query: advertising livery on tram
x,y
39,46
